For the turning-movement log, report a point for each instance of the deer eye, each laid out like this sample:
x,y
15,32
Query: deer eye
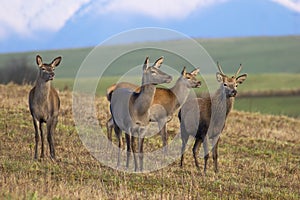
x,y
225,84
153,73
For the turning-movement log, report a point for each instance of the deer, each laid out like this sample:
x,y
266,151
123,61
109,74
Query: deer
x,y
130,110
44,104
211,114
166,101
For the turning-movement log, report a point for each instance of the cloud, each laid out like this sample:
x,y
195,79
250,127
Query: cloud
x,y
25,17
162,10
291,4
28,18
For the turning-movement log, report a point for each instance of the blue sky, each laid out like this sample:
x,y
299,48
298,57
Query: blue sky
x,y
54,24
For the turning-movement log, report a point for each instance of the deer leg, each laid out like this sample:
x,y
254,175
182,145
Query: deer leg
x,y
164,135
133,148
118,133
109,127
195,151
51,124
206,153
184,139
36,138
141,153
215,156
162,125
42,139
127,137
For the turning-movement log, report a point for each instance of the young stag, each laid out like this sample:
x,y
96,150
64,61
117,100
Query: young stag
x,y
130,110
44,104
211,113
165,102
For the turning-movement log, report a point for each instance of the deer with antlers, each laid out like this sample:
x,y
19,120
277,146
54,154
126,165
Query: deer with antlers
x,y
165,102
210,114
44,104
130,110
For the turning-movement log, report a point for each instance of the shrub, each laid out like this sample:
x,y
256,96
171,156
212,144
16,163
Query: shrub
x,y
19,71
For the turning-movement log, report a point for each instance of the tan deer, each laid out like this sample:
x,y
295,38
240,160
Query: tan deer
x,y
165,103
130,110
211,113
44,105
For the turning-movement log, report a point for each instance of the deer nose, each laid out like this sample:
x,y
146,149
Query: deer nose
x,y
234,92
51,75
199,83
169,79
196,84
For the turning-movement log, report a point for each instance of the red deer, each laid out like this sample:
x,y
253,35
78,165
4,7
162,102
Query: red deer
x,y
210,125
44,105
165,103
130,110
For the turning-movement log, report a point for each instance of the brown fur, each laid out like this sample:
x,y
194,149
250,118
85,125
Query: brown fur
x,y
130,109
164,97
201,109
44,105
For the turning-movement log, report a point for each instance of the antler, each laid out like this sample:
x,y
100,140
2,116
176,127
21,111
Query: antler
x,y
238,71
220,68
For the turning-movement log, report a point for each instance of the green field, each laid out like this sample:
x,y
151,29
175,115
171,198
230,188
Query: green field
x,y
254,82
280,105
257,54
258,153
270,105
271,62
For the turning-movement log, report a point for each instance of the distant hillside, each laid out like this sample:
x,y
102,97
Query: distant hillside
x,y
258,55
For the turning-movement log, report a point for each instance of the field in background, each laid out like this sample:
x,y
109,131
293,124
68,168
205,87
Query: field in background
x,y
258,159
257,54
271,62
256,83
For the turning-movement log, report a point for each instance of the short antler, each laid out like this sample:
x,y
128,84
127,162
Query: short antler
x,y
238,71
220,68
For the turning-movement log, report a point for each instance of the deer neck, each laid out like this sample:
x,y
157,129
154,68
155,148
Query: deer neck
x,y
42,89
222,102
181,91
145,98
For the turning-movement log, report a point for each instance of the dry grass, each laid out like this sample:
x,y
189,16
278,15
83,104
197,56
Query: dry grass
x,y
259,159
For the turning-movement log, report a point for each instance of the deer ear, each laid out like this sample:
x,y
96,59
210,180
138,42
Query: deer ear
x,y
146,63
39,60
219,77
183,72
56,62
158,62
195,72
240,79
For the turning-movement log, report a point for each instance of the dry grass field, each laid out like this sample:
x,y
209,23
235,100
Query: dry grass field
x,y
259,158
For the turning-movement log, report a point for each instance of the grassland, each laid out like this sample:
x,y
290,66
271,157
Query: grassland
x,y
256,83
259,159
272,105
259,154
258,55
271,62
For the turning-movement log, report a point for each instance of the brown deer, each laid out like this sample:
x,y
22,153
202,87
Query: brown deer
x,y
211,113
165,103
130,110
44,104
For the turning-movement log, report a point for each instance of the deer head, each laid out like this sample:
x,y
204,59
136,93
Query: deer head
x,y
153,75
230,84
190,78
47,70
